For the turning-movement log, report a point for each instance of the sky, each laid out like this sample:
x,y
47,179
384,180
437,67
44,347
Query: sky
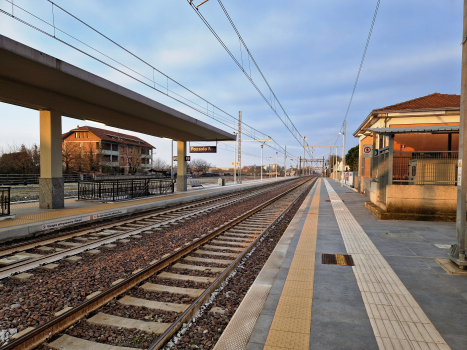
x,y
309,51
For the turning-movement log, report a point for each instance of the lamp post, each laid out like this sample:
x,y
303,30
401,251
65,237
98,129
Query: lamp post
x,y
304,138
276,165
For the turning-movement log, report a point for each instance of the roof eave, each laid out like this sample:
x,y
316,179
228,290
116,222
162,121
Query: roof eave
x,y
408,111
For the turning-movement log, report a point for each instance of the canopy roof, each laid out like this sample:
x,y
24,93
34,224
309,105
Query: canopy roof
x,y
32,79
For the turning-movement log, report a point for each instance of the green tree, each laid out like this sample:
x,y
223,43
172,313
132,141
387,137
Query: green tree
x,y
351,158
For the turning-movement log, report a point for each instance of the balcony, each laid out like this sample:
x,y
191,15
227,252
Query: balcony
x,y
109,153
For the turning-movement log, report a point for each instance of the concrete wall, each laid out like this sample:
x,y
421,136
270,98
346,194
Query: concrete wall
x,y
366,186
421,199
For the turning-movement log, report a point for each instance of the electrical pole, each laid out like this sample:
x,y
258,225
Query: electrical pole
x,y
285,161
300,167
337,162
240,146
235,160
262,161
343,152
457,253
304,161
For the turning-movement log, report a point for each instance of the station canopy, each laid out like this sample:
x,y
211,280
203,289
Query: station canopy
x,y
33,79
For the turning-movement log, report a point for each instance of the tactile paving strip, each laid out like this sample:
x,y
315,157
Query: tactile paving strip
x,y
239,330
290,327
397,320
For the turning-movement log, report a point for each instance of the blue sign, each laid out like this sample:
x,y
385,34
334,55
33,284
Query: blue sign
x,y
376,152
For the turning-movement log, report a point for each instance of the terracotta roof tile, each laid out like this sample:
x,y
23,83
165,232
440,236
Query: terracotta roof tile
x,y
435,100
113,136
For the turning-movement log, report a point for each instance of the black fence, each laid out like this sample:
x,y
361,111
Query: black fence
x,y
124,189
4,201
24,179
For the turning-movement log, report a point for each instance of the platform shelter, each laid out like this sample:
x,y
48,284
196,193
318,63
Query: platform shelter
x,y
33,79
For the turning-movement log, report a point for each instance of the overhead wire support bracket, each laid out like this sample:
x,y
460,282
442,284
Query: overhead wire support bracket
x,y
200,3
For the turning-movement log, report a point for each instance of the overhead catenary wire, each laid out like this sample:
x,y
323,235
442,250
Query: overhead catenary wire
x,y
287,122
361,62
216,116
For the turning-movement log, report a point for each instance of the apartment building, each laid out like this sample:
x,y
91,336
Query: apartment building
x,y
114,150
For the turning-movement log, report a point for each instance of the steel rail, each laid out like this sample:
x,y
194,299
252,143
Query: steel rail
x,y
21,246
47,259
199,302
39,335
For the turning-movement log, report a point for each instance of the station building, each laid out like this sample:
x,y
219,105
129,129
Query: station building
x,y
117,152
408,155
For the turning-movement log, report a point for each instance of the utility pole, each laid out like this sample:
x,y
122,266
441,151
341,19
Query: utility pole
x,y
304,164
285,161
240,146
300,167
337,162
235,160
323,166
343,152
457,253
262,161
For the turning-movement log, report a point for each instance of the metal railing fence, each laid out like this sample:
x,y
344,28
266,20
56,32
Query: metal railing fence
x,y
21,179
123,189
4,201
425,168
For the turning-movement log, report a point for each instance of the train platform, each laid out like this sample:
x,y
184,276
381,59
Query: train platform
x,y
341,279
30,219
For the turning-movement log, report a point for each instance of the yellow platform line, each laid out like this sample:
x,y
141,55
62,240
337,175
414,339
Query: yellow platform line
x,y
290,328
61,213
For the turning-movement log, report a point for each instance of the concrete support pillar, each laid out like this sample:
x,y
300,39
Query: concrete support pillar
x,y
51,187
391,159
181,166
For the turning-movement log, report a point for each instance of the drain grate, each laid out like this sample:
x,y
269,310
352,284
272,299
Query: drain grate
x,y
337,259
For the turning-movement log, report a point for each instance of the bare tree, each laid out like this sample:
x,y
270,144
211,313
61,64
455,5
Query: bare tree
x,y
93,159
160,164
70,154
133,159
200,165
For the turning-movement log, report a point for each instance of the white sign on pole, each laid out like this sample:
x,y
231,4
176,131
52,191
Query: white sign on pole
x,y
367,150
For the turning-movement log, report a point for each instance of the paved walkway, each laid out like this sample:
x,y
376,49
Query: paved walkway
x,y
395,297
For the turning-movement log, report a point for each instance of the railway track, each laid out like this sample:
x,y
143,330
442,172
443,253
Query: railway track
x,y
169,291
11,246
28,255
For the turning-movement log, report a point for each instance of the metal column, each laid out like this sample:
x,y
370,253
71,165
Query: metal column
x,y
457,253
240,147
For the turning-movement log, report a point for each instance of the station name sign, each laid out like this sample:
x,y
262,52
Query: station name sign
x,y
203,149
